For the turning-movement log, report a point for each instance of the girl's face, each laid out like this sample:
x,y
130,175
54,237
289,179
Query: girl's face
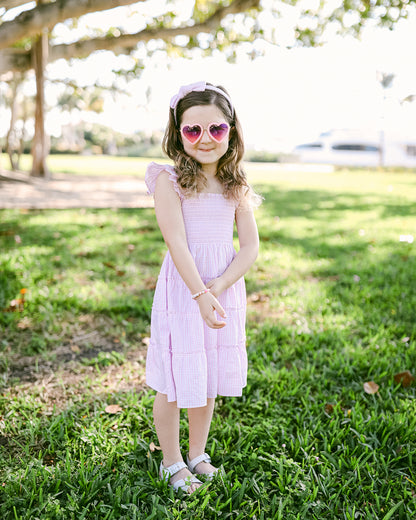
x,y
206,150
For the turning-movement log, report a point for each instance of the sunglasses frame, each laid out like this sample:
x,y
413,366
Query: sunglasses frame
x,y
203,129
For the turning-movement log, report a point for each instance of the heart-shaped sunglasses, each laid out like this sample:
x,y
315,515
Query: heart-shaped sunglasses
x,y
216,131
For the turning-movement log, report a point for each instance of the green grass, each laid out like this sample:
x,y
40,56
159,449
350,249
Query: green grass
x,y
96,165
331,306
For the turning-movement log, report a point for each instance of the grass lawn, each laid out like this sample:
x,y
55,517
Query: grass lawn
x,y
87,164
332,303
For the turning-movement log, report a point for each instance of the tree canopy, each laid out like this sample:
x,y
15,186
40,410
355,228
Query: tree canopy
x,y
16,34
213,18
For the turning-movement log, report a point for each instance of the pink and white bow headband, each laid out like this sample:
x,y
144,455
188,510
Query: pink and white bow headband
x,y
200,86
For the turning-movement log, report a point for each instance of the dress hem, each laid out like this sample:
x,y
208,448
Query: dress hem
x,y
228,394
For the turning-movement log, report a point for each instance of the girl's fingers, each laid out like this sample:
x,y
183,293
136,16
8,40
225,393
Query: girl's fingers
x,y
208,304
212,321
218,307
216,324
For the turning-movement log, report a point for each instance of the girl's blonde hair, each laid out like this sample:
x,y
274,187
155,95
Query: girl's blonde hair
x,y
230,172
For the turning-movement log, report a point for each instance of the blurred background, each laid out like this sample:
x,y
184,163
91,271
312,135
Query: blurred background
x,y
326,82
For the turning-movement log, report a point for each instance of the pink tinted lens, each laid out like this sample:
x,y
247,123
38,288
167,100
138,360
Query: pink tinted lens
x,y
218,131
192,133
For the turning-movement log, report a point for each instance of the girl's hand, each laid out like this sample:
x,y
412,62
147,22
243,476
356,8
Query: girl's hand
x,y
208,304
217,286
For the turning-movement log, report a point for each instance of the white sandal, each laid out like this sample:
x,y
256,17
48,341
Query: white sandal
x,y
184,484
203,458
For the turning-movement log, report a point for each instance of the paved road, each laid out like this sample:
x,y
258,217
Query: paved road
x,y
73,191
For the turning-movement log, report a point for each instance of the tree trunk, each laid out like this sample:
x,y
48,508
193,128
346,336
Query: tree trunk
x,y
11,134
39,145
23,133
381,151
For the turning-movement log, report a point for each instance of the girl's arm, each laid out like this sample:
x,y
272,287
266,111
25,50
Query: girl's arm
x,y
170,219
248,237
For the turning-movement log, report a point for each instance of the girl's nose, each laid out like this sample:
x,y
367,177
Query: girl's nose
x,y
205,138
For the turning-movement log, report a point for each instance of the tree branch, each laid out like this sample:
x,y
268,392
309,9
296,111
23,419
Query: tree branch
x,y
9,4
15,60
125,42
47,16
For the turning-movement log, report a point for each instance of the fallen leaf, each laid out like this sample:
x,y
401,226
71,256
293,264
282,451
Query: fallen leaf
x,y
120,273
49,460
150,283
153,447
24,323
16,305
17,239
370,387
146,341
110,265
131,247
404,378
406,339
113,408
258,298
329,408
75,349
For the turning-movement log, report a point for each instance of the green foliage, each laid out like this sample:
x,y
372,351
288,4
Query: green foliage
x,y
331,306
81,98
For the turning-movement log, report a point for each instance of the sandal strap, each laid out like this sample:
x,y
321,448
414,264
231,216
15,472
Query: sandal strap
x,y
167,473
194,462
185,484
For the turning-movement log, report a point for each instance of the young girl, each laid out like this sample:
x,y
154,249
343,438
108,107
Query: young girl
x,y
197,346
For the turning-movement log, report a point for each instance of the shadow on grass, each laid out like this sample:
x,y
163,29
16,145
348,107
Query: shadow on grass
x,y
366,271
83,460
98,249
312,203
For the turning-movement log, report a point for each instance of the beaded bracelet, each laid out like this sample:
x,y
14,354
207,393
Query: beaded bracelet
x,y
195,296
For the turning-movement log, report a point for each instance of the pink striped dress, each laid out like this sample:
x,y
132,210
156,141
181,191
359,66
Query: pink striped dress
x,y
187,360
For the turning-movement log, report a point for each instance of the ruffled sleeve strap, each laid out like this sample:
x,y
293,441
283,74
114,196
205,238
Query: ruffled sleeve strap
x,y
152,173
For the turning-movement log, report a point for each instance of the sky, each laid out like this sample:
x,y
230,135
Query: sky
x,y
284,98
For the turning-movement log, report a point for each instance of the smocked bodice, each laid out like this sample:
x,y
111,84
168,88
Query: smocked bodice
x,y
208,218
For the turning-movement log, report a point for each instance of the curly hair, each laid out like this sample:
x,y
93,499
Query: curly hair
x,y
230,172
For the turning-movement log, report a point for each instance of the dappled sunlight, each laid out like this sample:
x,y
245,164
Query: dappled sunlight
x,y
330,342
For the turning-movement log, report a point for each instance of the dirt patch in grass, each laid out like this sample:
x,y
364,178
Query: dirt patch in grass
x,y
71,371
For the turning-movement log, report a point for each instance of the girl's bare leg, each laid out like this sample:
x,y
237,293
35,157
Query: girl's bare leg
x,y
199,424
166,419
